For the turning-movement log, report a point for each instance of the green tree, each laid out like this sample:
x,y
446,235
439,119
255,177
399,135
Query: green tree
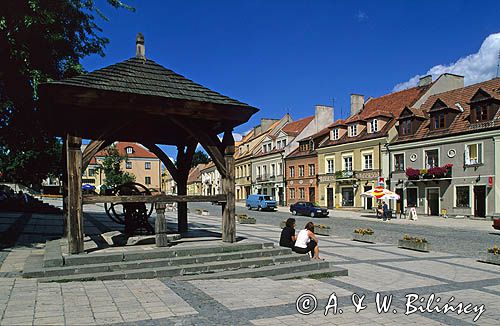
x,y
199,157
40,40
111,167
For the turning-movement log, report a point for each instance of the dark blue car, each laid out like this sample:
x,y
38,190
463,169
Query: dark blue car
x,y
308,208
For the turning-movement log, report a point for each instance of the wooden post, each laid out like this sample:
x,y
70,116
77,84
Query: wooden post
x,y
182,221
228,184
75,212
64,184
161,226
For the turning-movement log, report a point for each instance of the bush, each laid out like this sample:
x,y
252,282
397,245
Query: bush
x,y
495,250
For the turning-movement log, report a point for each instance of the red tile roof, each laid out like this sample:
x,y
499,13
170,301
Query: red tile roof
x,y
195,173
461,123
138,150
296,127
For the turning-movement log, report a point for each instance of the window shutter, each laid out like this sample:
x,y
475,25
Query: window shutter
x,y
479,153
466,155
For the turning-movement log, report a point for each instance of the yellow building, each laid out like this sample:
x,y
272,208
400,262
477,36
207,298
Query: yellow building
x,y
140,162
194,184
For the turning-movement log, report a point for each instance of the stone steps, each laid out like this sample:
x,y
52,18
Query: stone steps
x,y
171,271
154,263
221,260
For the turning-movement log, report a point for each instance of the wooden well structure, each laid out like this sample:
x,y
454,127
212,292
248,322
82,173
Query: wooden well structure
x,y
139,100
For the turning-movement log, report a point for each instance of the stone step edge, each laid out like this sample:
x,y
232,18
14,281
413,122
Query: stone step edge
x,y
332,271
171,271
265,271
31,272
166,252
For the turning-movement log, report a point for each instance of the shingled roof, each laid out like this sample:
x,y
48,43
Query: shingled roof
x,y
294,128
146,77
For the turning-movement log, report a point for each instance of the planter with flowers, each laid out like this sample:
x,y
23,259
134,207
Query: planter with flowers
x,y
412,174
437,172
414,243
321,229
364,235
492,256
245,219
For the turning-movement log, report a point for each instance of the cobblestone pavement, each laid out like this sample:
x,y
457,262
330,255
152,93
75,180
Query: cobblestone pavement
x,y
373,268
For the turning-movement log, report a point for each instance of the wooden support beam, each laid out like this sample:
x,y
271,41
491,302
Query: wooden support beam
x,y
75,211
94,199
64,184
184,159
228,185
172,169
91,150
160,226
211,144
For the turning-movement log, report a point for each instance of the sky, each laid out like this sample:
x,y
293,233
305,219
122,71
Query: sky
x,y
287,56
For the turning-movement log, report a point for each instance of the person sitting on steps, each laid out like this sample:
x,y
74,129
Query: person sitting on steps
x,y
307,242
288,237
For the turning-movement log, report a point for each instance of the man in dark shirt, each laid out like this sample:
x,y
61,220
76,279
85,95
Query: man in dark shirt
x,y
387,212
288,237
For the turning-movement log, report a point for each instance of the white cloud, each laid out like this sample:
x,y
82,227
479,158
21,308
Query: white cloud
x,y
475,68
361,15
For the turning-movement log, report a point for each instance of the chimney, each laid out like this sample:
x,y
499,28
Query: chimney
x,y
424,81
140,49
357,102
266,123
323,116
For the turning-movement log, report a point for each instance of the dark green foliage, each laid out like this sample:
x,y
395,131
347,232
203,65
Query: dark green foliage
x,y
200,157
111,167
40,40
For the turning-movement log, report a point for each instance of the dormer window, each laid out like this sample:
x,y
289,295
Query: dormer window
x,y
481,112
353,130
439,120
374,126
129,150
335,134
405,127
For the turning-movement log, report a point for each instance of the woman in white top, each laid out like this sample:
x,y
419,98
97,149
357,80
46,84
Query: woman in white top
x,y
307,241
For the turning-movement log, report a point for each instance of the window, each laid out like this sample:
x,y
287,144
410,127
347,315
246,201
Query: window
x,y
258,172
347,163
335,134
128,165
347,196
129,150
462,198
284,143
312,169
147,165
439,120
264,170
399,162
273,170
292,172
280,168
431,158
330,166
411,197
353,130
368,158
406,127
301,170
91,172
302,193
473,154
147,180
374,125
481,112
292,193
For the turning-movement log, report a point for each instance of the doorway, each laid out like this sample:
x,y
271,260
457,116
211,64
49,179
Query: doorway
x,y
368,200
432,201
348,197
312,195
479,201
329,197
282,196
399,202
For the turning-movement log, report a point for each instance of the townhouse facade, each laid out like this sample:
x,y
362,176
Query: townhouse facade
x,y
194,182
444,159
140,162
350,156
210,180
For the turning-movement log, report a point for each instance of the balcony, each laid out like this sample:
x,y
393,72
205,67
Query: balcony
x,y
345,174
433,173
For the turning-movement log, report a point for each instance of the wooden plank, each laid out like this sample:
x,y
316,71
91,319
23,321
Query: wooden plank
x,y
228,184
75,210
93,199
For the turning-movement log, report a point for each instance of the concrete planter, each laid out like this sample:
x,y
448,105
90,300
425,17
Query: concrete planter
x,y
282,224
369,238
490,258
205,213
323,231
243,219
413,245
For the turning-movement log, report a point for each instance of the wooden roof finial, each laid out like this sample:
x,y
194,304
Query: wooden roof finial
x,y
140,49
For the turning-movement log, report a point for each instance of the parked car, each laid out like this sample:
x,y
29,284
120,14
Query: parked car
x,y
496,223
261,202
309,209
